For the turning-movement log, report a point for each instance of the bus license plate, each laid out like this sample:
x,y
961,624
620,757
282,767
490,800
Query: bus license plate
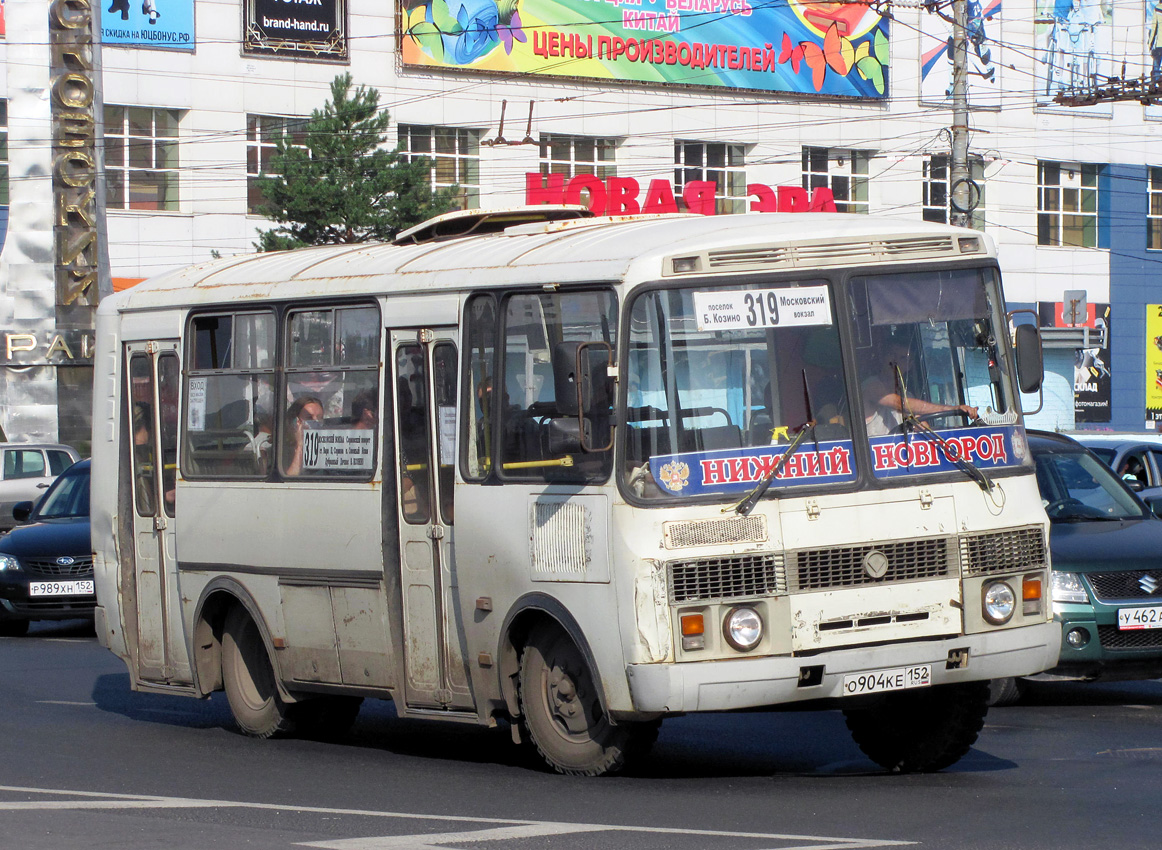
x,y
61,588
875,681
1140,618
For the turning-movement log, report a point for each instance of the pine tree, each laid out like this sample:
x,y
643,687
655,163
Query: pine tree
x,y
338,184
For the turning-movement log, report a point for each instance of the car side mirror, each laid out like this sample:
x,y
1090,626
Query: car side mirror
x,y
1133,483
21,511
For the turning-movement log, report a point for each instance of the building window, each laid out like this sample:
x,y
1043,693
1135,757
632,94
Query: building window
x,y
573,155
1067,204
1154,214
262,135
141,158
844,172
937,190
453,155
3,153
717,162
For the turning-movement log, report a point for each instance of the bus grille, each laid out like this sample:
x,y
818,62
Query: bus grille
x,y
1007,551
1112,637
729,577
715,532
1127,586
843,566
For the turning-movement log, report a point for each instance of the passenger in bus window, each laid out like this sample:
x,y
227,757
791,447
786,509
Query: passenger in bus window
x,y
364,411
260,442
303,409
883,406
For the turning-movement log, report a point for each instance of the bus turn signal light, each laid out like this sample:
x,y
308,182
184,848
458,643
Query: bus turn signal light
x,y
1031,595
693,632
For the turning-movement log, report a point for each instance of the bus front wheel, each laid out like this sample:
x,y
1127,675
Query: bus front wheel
x,y
562,714
248,677
920,731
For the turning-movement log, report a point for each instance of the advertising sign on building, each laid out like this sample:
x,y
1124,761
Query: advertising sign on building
x,y
838,49
1153,364
1073,45
127,23
985,44
1091,365
298,28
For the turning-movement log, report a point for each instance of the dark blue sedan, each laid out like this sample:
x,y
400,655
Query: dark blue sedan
x,y
46,566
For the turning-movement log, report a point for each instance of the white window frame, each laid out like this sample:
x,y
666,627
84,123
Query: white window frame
x,y
721,163
573,155
936,195
844,171
262,133
129,152
1068,204
458,159
1154,208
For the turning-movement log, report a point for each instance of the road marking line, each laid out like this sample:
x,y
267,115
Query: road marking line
x,y
64,702
440,840
95,800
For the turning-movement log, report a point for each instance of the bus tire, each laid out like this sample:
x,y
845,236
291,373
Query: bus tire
x,y
562,714
1006,691
921,731
248,678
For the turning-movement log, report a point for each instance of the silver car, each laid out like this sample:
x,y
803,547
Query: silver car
x,y
26,471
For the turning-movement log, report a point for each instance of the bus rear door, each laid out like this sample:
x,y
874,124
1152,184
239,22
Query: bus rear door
x,y
154,375
424,377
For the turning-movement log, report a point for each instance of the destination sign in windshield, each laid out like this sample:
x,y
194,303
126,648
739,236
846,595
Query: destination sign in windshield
x,y
762,308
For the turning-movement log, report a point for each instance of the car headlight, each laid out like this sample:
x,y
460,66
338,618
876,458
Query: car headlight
x,y
998,602
743,628
1067,587
9,564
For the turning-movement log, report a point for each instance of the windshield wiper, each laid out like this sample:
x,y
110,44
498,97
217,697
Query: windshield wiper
x,y
913,422
747,504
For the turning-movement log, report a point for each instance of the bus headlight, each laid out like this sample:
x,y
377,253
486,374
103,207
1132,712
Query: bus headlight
x,y
998,602
743,628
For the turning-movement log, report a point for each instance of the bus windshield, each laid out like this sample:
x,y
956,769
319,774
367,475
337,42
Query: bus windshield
x,y
720,380
713,372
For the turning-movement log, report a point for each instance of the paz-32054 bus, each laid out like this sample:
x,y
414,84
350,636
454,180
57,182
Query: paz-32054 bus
x,y
577,476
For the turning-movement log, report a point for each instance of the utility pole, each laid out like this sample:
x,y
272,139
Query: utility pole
x,y
960,179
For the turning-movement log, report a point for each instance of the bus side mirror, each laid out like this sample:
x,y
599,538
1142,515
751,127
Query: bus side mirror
x,y
1030,365
581,378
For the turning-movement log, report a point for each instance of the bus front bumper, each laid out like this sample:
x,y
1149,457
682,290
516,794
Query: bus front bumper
x,y
766,681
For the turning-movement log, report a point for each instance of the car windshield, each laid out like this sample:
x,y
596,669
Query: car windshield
x,y
68,497
1076,487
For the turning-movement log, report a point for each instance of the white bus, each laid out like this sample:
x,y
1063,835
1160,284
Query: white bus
x,y
577,476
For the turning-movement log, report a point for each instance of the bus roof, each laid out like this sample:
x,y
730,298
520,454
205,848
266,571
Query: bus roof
x,y
567,251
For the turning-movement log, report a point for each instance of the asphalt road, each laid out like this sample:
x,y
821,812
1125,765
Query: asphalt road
x,y
86,763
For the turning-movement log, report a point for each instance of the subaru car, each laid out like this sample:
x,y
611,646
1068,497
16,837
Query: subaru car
x,y
46,566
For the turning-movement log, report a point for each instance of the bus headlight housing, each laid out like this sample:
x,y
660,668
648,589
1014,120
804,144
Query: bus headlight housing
x,y
743,628
998,602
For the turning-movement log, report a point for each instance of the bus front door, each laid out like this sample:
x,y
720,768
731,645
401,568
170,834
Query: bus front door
x,y
424,393
154,375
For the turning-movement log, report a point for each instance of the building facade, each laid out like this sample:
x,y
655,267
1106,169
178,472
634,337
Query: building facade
x,y
713,106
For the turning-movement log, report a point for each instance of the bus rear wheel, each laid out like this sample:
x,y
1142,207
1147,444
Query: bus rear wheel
x,y
562,713
921,731
248,677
